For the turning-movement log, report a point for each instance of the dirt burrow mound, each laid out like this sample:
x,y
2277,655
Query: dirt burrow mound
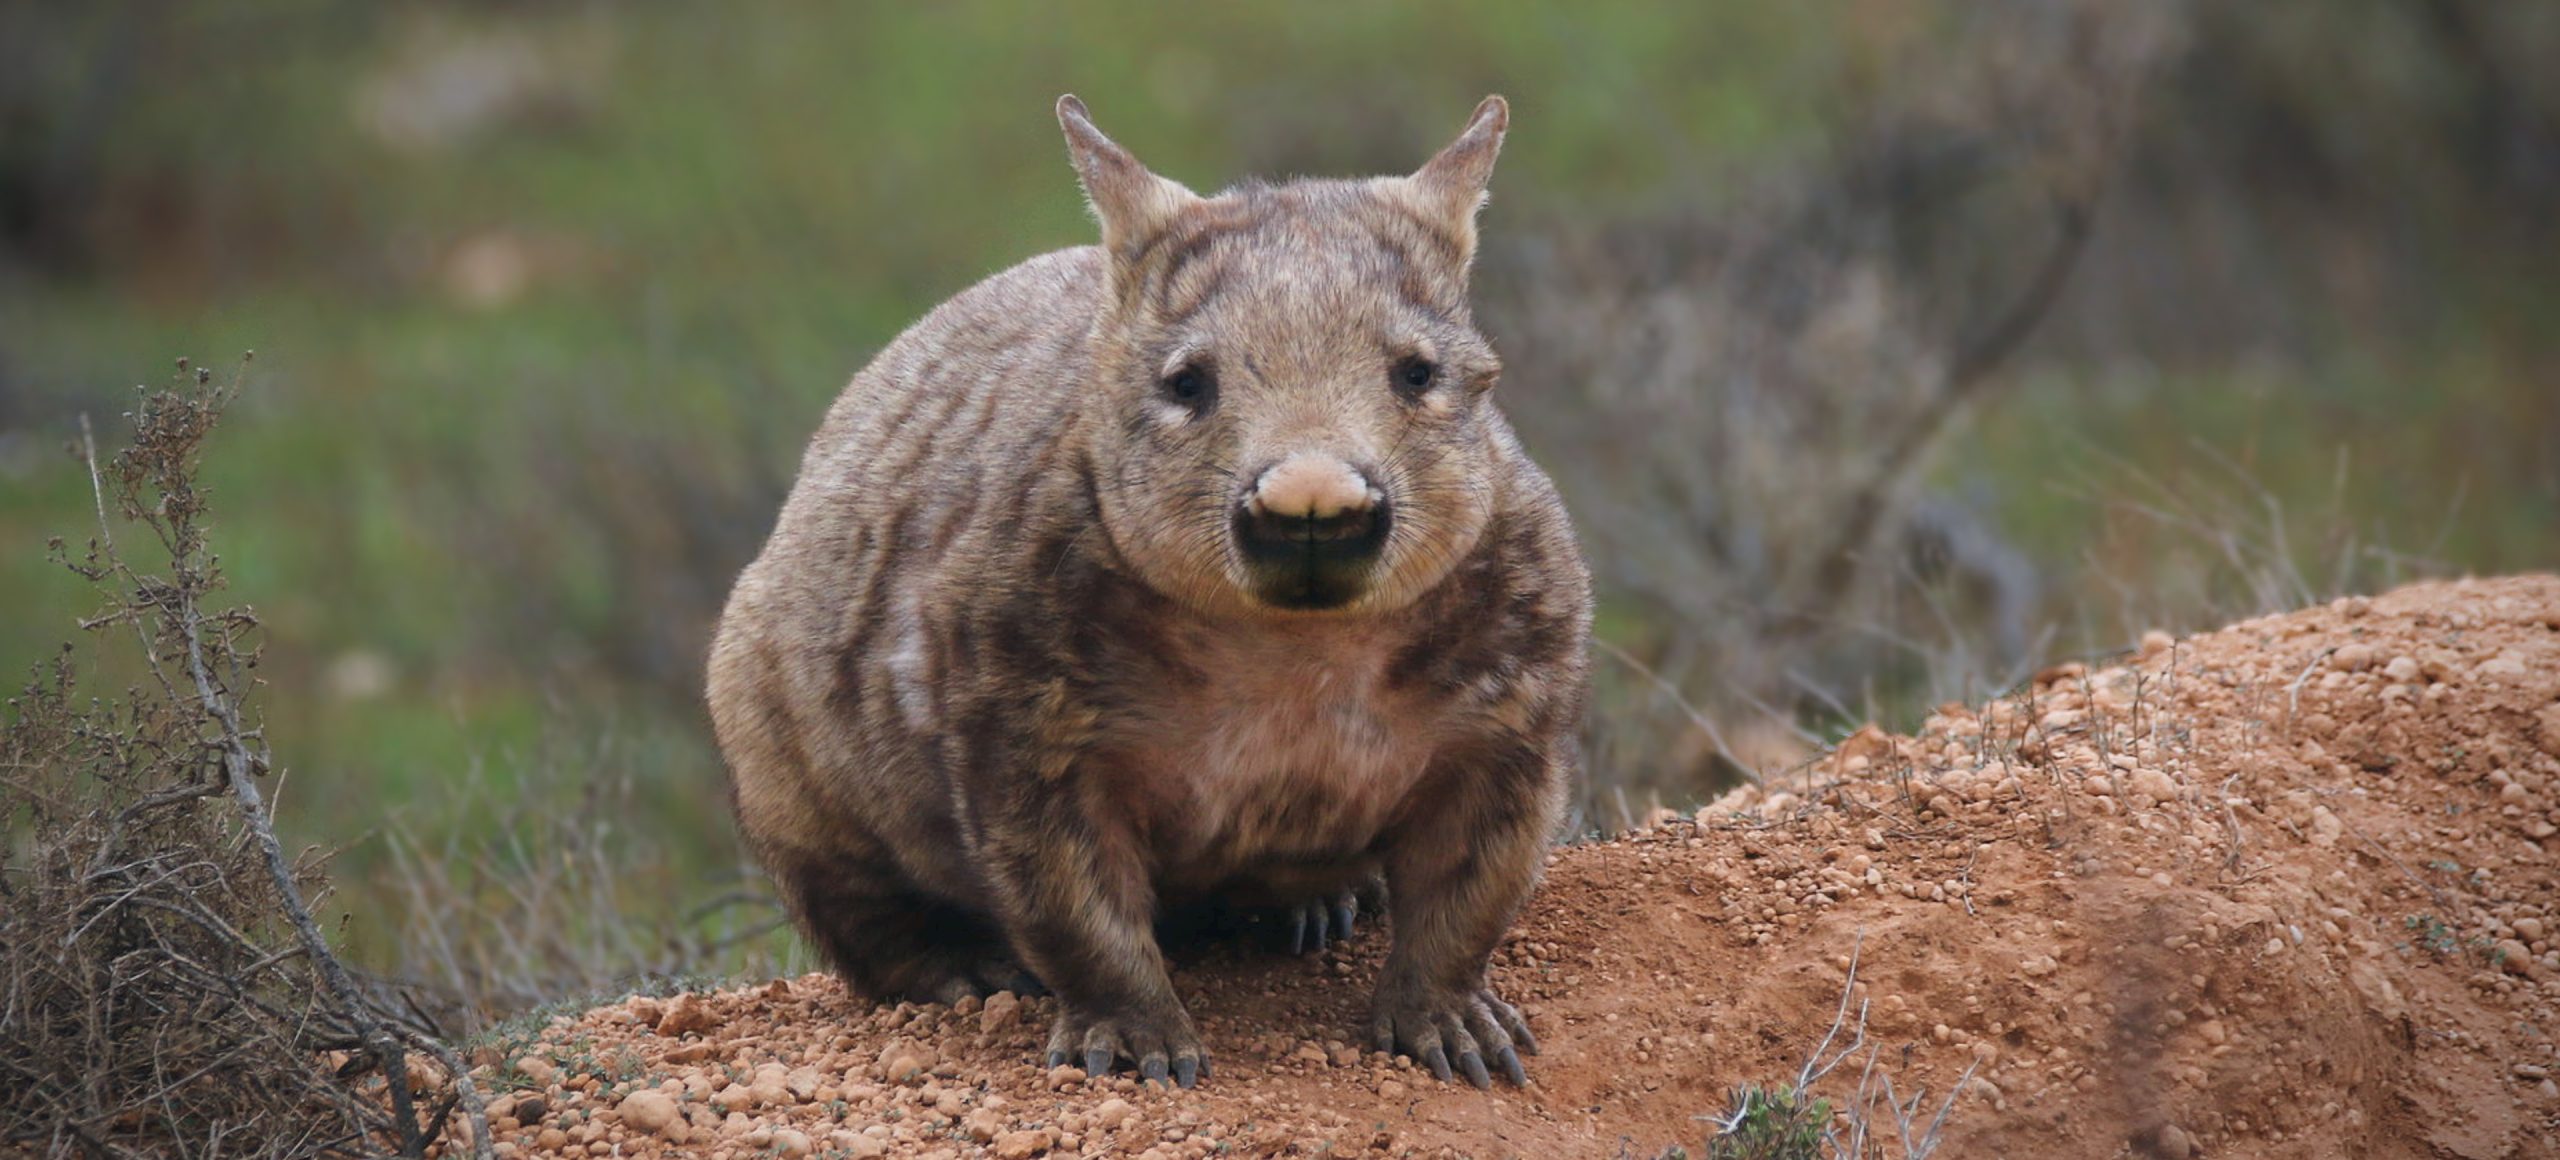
x,y
2285,889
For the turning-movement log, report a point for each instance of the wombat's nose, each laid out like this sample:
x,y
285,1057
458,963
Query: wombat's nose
x,y
1311,522
1310,487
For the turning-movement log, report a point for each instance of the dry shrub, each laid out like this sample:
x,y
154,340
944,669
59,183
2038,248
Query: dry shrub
x,y
163,987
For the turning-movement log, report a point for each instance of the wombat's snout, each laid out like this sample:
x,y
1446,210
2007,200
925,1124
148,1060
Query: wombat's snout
x,y
1308,529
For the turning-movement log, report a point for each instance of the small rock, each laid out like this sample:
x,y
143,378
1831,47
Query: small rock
x,y
983,1125
790,1141
2402,669
2173,1143
1391,1090
530,1110
1112,1113
858,1146
905,1059
688,1014
1001,1010
646,1011
2354,657
2512,957
1024,1145
2529,929
2530,1071
803,1084
2325,827
539,1070
649,1110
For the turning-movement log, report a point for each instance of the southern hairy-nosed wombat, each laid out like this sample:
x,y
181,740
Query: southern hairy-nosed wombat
x,y
1196,565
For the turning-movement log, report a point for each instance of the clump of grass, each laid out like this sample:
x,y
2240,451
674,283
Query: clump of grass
x,y
566,905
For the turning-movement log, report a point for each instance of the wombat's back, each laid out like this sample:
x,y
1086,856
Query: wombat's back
x,y
936,461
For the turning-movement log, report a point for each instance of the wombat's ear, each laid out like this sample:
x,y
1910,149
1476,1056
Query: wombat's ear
x,y
1451,185
1133,204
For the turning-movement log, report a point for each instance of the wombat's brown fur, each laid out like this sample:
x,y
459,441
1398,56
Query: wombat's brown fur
x,y
1199,564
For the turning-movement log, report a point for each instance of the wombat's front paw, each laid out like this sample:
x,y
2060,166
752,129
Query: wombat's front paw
x,y
1469,1027
1158,1042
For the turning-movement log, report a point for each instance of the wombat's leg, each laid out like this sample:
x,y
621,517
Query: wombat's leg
x,y
892,942
1082,912
1455,878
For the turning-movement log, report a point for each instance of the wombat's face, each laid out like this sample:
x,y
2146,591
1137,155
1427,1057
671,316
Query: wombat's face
x,y
1294,396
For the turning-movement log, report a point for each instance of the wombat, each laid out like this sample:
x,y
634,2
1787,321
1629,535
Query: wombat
x,y
1196,565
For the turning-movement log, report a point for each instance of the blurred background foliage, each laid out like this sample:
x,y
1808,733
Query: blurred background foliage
x,y
1886,349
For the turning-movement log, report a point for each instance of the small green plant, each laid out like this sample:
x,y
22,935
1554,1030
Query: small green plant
x,y
2431,932
1779,1122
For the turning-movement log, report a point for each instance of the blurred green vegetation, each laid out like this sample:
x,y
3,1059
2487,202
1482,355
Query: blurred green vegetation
x,y
547,297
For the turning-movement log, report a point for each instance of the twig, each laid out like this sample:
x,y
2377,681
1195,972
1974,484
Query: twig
x,y
2293,691
1705,724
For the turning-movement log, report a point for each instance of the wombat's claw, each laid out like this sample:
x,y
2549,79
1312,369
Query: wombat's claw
x,y
1326,921
1468,1030
1171,1057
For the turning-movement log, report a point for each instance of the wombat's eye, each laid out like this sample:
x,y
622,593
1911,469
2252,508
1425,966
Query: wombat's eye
x,y
1415,375
1191,385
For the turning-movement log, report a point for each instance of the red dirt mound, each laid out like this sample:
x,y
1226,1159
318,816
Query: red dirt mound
x,y
2285,889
